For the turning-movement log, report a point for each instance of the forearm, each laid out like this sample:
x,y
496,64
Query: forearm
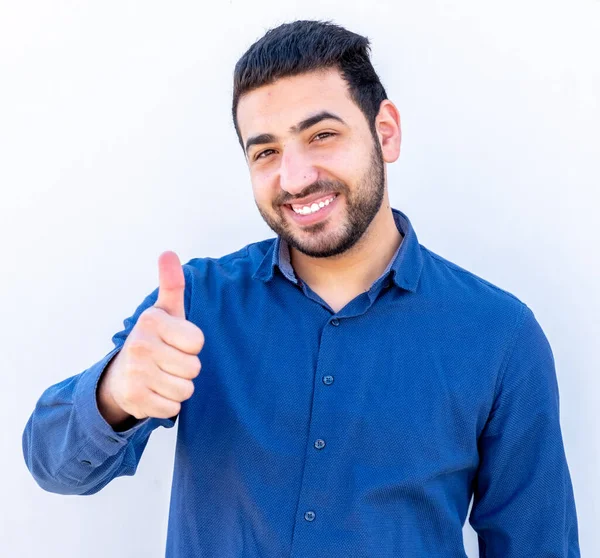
x,y
68,446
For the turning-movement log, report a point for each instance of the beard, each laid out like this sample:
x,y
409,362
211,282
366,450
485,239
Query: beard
x,y
362,203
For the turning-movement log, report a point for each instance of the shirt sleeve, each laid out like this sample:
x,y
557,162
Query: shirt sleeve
x,y
68,446
523,501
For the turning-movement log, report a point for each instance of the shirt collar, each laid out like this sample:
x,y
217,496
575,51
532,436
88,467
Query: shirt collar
x,y
404,268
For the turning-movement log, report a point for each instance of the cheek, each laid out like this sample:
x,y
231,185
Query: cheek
x,y
263,194
340,160
263,184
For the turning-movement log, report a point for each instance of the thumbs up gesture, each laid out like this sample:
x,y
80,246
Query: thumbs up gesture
x,y
153,372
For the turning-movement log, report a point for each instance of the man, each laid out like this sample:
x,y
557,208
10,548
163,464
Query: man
x,y
355,389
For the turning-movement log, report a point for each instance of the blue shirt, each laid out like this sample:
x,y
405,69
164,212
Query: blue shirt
x,y
358,433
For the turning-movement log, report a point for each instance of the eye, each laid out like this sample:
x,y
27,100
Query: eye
x,y
323,135
260,155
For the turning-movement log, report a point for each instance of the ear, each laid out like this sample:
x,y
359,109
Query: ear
x,y
387,125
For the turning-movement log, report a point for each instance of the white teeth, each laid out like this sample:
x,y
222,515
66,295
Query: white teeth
x,y
305,210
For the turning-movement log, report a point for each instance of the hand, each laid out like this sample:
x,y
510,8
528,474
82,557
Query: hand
x,y
153,372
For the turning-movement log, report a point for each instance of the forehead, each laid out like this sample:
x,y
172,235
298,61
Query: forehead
x,y
278,106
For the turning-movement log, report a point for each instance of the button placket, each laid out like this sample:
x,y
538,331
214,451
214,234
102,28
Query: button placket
x,y
316,467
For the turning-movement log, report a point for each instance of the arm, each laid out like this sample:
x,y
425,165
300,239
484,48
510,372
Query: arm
x,y
68,445
523,497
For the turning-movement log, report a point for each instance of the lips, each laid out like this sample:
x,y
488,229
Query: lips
x,y
313,199
312,218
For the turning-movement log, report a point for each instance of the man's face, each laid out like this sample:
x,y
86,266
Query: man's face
x,y
309,146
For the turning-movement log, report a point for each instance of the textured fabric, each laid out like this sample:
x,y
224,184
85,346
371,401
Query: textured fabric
x,y
361,433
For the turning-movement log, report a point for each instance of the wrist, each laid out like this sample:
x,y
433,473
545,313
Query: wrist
x,y
107,406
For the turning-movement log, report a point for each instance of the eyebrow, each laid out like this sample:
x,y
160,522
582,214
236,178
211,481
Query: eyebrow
x,y
297,129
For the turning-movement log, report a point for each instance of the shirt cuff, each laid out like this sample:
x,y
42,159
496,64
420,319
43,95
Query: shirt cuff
x,y
91,422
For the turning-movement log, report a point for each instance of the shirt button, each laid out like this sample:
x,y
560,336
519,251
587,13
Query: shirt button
x,y
386,284
309,515
320,444
335,322
328,380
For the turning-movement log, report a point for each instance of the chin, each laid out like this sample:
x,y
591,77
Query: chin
x,y
319,247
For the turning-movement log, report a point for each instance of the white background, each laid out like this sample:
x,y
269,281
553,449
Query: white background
x,y
116,143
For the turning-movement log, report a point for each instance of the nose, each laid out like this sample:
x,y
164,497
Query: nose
x,y
296,171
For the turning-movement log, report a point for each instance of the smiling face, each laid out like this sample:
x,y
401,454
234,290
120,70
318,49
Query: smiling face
x,y
317,172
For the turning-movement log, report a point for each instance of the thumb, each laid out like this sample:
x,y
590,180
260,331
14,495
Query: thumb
x,y
171,285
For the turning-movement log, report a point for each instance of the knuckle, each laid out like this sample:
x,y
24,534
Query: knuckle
x,y
133,375
148,318
139,346
131,394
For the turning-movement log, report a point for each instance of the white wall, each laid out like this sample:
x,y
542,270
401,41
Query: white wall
x,y
116,144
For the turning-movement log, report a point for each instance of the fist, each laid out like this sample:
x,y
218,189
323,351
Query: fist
x,y
153,372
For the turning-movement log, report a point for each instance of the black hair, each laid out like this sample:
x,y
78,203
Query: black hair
x,y
304,46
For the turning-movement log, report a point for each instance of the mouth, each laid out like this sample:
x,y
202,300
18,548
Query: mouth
x,y
316,211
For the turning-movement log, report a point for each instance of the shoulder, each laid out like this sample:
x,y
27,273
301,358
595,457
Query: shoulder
x,y
483,316
218,287
464,293
235,266
456,275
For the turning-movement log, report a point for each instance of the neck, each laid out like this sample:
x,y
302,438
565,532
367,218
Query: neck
x,y
358,268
